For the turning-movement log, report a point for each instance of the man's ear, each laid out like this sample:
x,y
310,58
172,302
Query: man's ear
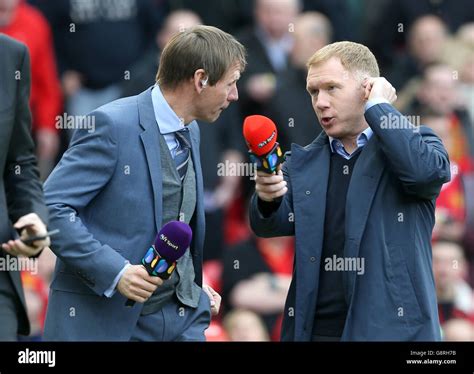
x,y
366,87
200,80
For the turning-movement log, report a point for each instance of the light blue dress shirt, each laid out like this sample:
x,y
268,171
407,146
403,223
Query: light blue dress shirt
x,y
337,146
168,121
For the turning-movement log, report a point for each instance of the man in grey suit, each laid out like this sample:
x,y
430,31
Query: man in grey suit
x,y
21,196
120,182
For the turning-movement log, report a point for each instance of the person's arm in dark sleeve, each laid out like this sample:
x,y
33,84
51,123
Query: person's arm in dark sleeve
x,y
415,154
22,185
276,218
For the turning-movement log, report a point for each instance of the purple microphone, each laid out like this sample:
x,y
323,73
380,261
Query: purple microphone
x,y
170,244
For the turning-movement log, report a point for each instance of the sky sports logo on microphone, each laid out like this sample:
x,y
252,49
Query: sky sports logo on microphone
x,y
266,141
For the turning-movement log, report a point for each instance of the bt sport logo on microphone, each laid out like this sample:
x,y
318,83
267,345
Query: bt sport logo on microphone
x,y
168,242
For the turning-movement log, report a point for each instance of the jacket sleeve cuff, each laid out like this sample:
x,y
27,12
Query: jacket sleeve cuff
x,y
267,208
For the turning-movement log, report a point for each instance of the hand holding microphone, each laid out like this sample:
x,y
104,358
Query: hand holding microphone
x,y
137,285
270,187
140,281
261,136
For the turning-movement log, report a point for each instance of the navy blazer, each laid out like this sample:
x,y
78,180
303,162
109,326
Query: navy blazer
x,y
389,219
105,196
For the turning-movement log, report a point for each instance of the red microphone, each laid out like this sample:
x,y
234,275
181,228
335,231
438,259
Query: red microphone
x,y
260,134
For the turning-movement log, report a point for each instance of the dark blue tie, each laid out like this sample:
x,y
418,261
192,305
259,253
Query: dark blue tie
x,y
181,157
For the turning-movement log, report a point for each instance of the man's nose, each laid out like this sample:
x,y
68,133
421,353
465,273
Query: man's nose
x,y
322,101
234,94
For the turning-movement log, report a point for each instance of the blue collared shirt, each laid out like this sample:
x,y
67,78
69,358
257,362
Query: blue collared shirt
x,y
167,119
337,146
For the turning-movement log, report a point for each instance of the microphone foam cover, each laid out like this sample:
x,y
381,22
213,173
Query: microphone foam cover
x,y
173,240
260,133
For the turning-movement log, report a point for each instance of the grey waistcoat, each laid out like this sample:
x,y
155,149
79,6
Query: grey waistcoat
x,y
179,203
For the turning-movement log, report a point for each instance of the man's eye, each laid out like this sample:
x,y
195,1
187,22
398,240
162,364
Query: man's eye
x,y
330,88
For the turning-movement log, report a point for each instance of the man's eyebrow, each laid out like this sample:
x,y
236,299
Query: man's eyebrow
x,y
312,84
324,82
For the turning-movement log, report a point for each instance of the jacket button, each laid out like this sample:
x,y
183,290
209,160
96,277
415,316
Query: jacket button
x,y
308,192
312,259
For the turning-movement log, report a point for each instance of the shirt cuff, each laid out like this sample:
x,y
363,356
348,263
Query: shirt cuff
x,y
369,104
267,208
109,292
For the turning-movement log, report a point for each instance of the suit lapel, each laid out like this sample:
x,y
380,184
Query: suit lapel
x,y
197,164
315,160
198,233
309,179
151,143
360,195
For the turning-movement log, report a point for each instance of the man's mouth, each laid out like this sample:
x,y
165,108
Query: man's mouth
x,y
326,121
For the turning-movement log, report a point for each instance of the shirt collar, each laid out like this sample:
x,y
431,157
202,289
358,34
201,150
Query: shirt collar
x,y
168,121
362,139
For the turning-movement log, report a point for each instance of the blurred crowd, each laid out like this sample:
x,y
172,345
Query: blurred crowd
x,y
85,53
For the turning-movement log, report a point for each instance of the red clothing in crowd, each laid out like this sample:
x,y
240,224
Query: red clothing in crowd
x,y
281,264
37,285
30,27
450,204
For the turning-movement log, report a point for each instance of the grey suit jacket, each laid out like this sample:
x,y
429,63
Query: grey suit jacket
x,y
20,188
105,196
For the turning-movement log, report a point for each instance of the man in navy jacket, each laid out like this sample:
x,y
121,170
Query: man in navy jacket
x,y
360,200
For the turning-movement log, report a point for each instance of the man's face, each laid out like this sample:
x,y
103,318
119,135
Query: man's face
x,y
448,265
214,99
427,39
274,16
439,90
7,9
338,99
